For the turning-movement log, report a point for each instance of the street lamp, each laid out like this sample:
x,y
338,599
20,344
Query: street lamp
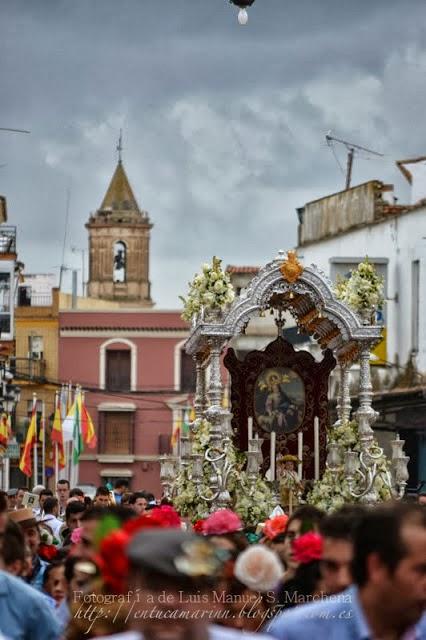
x,y
242,14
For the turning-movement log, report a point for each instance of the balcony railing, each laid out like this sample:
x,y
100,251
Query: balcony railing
x,y
32,369
28,298
7,239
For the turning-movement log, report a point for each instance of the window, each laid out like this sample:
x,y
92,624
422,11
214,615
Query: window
x,y
116,432
119,272
35,347
415,304
188,374
5,326
118,369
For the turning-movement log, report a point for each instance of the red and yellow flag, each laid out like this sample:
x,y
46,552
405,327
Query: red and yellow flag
x,y
177,429
26,462
57,437
87,426
5,430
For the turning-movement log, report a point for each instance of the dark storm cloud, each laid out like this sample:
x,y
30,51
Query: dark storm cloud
x,y
223,126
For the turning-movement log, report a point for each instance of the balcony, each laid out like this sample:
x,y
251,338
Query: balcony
x,y
29,298
31,369
7,239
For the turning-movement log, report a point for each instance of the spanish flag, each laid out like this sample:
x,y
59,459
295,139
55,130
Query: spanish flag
x,y
57,437
26,462
87,427
4,430
177,428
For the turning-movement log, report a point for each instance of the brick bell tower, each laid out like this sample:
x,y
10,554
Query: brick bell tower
x,y
119,234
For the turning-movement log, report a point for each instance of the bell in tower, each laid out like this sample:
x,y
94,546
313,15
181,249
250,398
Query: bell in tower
x,y
119,235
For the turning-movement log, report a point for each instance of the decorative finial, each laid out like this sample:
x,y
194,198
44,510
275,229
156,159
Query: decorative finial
x,y
291,269
120,145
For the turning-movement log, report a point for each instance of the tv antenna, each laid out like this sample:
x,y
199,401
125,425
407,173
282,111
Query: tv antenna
x,y
351,148
14,130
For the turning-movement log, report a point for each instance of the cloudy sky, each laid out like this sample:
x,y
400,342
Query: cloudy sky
x,y
223,125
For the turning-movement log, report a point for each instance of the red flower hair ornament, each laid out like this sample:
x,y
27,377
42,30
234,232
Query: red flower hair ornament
x,y
47,552
198,526
274,526
222,522
112,559
308,547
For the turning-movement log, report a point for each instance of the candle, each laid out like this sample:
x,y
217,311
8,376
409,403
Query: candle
x,y
300,454
272,467
256,436
250,428
316,447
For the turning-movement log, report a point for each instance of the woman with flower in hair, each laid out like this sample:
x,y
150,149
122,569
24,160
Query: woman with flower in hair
x,y
306,583
274,535
250,589
225,529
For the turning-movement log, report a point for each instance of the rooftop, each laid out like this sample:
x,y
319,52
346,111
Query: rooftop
x,y
235,269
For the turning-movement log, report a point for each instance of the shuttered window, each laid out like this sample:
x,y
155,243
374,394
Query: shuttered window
x,y
118,370
117,432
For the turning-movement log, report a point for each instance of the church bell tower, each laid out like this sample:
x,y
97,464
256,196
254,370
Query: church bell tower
x,y
119,234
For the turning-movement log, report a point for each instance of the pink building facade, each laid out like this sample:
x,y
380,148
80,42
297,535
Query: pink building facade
x,y
138,383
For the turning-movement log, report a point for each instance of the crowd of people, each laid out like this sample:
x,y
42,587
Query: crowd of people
x,y
126,566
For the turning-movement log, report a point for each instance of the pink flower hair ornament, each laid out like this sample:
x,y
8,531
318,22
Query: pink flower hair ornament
x,y
222,522
76,535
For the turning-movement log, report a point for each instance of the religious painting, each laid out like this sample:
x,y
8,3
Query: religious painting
x,y
283,391
279,400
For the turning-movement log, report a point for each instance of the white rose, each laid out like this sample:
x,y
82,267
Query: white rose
x,y
219,287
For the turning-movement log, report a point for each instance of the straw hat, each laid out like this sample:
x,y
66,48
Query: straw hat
x,y
23,517
289,458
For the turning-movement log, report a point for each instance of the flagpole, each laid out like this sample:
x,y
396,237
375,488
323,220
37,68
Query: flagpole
x,y
56,444
43,450
76,438
69,444
35,452
63,414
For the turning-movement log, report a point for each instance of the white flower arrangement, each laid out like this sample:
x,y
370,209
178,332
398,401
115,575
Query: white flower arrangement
x,y
332,491
252,505
363,290
210,289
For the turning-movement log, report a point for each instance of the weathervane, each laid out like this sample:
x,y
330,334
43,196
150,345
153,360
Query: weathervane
x,y
242,14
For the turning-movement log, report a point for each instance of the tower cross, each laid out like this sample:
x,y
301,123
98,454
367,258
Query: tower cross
x,y
120,145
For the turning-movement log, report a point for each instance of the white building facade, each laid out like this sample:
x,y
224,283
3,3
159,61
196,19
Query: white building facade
x,y
338,232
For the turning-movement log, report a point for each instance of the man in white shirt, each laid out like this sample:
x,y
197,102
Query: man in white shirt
x,y
63,493
51,513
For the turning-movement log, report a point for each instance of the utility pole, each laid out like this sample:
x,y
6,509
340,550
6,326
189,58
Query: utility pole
x,y
351,148
83,270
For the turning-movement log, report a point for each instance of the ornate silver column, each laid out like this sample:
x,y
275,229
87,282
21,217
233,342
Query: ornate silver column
x,y
200,399
344,399
365,414
216,455
215,386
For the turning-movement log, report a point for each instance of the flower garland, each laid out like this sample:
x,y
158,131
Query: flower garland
x,y
253,505
363,290
332,491
210,289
